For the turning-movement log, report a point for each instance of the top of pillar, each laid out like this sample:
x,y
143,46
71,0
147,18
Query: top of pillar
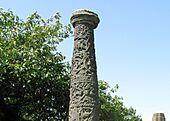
x,y
85,16
158,114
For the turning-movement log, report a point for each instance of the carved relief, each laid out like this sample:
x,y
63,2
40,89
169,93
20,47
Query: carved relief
x,y
84,55
84,90
84,102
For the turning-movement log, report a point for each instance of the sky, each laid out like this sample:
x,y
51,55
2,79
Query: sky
x,y
132,44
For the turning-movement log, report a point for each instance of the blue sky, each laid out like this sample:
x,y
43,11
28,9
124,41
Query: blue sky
x,y
132,45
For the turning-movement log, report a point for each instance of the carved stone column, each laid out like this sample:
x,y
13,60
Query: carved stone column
x,y
158,117
84,100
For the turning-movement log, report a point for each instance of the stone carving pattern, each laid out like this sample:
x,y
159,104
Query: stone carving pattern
x,y
84,87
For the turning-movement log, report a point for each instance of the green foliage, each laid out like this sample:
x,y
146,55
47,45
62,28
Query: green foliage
x,y
112,107
33,76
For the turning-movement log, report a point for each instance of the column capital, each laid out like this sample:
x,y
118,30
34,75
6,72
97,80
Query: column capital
x,y
85,16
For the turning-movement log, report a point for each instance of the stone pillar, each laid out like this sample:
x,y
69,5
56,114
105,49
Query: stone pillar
x,y
158,117
84,100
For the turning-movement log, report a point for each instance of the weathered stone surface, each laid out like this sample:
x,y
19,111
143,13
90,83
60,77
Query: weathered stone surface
x,y
84,101
158,117
85,16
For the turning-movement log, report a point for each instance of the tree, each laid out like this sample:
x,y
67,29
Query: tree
x,y
34,79
112,107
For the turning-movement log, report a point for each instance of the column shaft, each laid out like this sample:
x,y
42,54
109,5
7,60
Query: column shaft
x,y
84,100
